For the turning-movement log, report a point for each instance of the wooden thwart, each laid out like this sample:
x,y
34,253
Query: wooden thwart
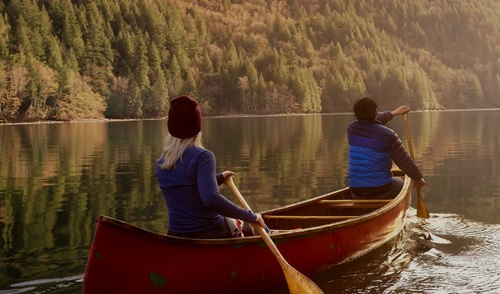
x,y
361,203
310,217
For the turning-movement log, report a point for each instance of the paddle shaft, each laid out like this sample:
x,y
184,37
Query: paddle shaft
x,y
422,211
259,228
297,282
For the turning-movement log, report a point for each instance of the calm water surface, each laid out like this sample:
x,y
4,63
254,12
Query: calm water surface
x,y
56,178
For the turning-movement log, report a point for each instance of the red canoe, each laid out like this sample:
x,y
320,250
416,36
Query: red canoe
x,y
314,235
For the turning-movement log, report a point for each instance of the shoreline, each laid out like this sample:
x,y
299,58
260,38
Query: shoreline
x,y
233,115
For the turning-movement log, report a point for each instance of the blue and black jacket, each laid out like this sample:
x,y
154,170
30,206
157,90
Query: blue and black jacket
x,y
372,149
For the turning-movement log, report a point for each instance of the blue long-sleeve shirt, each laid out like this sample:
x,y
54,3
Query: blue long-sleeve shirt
x,y
192,195
372,148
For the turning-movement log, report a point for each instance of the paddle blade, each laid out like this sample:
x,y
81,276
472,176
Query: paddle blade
x,y
299,283
422,211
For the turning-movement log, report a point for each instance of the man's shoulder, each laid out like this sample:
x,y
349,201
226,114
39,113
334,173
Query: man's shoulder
x,y
374,130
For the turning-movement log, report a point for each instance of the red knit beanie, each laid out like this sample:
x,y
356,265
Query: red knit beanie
x,y
184,117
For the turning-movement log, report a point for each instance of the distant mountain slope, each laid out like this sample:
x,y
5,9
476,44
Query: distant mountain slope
x,y
66,60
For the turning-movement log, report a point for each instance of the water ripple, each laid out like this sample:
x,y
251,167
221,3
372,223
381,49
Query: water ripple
x,y
453,255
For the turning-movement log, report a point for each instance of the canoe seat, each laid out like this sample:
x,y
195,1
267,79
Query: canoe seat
x,y
310,217
351,203
292,222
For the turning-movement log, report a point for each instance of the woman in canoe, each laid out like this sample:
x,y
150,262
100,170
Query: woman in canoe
x,y
186,175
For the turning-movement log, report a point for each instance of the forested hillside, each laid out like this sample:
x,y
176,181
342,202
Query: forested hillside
x,y
67,60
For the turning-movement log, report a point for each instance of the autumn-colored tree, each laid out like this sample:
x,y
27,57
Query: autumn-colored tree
x,y
244,56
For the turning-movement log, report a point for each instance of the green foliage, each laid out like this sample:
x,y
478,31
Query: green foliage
x,y
244,56
78,100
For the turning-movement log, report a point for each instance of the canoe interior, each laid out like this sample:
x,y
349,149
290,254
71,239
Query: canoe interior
x,y
323,210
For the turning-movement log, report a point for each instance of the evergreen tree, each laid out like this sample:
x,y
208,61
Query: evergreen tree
x,y
261,91
4,38
175,33
98,52
70,60
53,53
21,36
71,33
140,62
232,59
124,51
174,78
306,90
134,102
184,62
117,100
190,86
207,65
98,46
155,99
280,29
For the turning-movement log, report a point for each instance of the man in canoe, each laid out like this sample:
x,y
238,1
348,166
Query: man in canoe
x,y
372,149
186,175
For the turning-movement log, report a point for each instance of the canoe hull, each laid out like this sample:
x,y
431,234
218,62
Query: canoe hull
x,y
126,259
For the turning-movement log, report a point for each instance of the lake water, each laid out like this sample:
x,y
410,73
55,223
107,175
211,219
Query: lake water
x,y
56,178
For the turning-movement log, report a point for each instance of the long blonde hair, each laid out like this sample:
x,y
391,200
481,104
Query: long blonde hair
x,y
173,148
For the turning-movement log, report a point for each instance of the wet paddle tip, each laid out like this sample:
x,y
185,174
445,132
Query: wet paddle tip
x,y
300,284
422,211
423,215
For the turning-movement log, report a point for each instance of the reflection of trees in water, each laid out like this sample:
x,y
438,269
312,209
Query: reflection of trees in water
x,y
458,149
280,160
56,178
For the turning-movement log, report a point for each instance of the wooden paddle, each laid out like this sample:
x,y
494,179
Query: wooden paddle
x,y
297,282
421,208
